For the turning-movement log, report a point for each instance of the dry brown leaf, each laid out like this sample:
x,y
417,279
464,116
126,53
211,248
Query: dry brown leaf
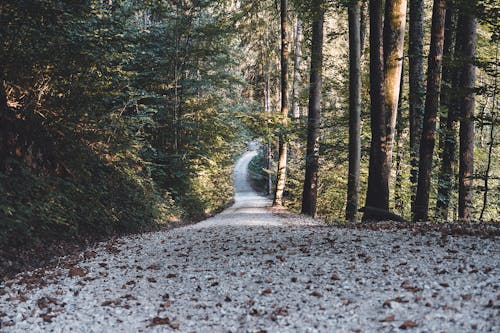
x,y
76,271
388,319
266,291
159,321
408,324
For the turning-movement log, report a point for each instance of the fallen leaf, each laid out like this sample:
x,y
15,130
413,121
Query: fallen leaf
x,y
159,321
76,271
266,291
388,319
408,324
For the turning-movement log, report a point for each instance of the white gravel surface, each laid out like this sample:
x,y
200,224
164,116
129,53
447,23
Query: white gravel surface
x,y
248,270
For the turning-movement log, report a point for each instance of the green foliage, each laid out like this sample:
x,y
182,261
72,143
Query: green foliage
x,y
123,114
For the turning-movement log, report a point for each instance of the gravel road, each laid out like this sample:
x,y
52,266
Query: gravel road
x,y
250,270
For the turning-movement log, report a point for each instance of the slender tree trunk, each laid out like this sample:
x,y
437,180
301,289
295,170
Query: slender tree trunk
x,y
363,25
267,109
297,61
354,111
416,86
309,195
491,137
283,146
378,177
448,119
431,108
394,35
398,186
467,83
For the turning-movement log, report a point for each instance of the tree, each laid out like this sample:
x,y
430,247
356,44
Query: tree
x,y
421,209
448,117
394,33
416,86
310,191
297,61
283,146
467,84
354,110
378,174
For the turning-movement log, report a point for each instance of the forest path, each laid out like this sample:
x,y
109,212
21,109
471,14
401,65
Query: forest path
x,y
249,270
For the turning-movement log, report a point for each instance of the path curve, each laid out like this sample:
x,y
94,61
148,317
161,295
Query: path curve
x,y
247,270
249,208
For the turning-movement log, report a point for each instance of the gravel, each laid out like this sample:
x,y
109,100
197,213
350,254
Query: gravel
x,y
251,270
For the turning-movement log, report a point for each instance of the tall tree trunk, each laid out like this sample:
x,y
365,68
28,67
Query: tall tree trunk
x,y
297,61
398,186
491,138
310,191
354,111
394,35
416,86
448,119
431,108
378,174
267,109
363,25
283,146
467,84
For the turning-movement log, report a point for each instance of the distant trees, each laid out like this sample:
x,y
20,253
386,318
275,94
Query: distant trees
x,y
114,118
155,99
337,162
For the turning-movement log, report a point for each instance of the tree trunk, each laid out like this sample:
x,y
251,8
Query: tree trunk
x,y
378,174
283,146
267,109
421,212
297,60
491,138
398,186
354,111
310,191
448,119
467,84
394,35
363,24
416,86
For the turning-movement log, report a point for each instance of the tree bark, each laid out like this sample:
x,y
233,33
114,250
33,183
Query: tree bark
x,y
297,61
363,25
310,191
467,84
427,142
448,119
283,146
398,186
416,86
354,111
491,138
394,34
378,174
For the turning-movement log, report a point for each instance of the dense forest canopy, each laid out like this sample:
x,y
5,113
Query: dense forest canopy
x,y
120,116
